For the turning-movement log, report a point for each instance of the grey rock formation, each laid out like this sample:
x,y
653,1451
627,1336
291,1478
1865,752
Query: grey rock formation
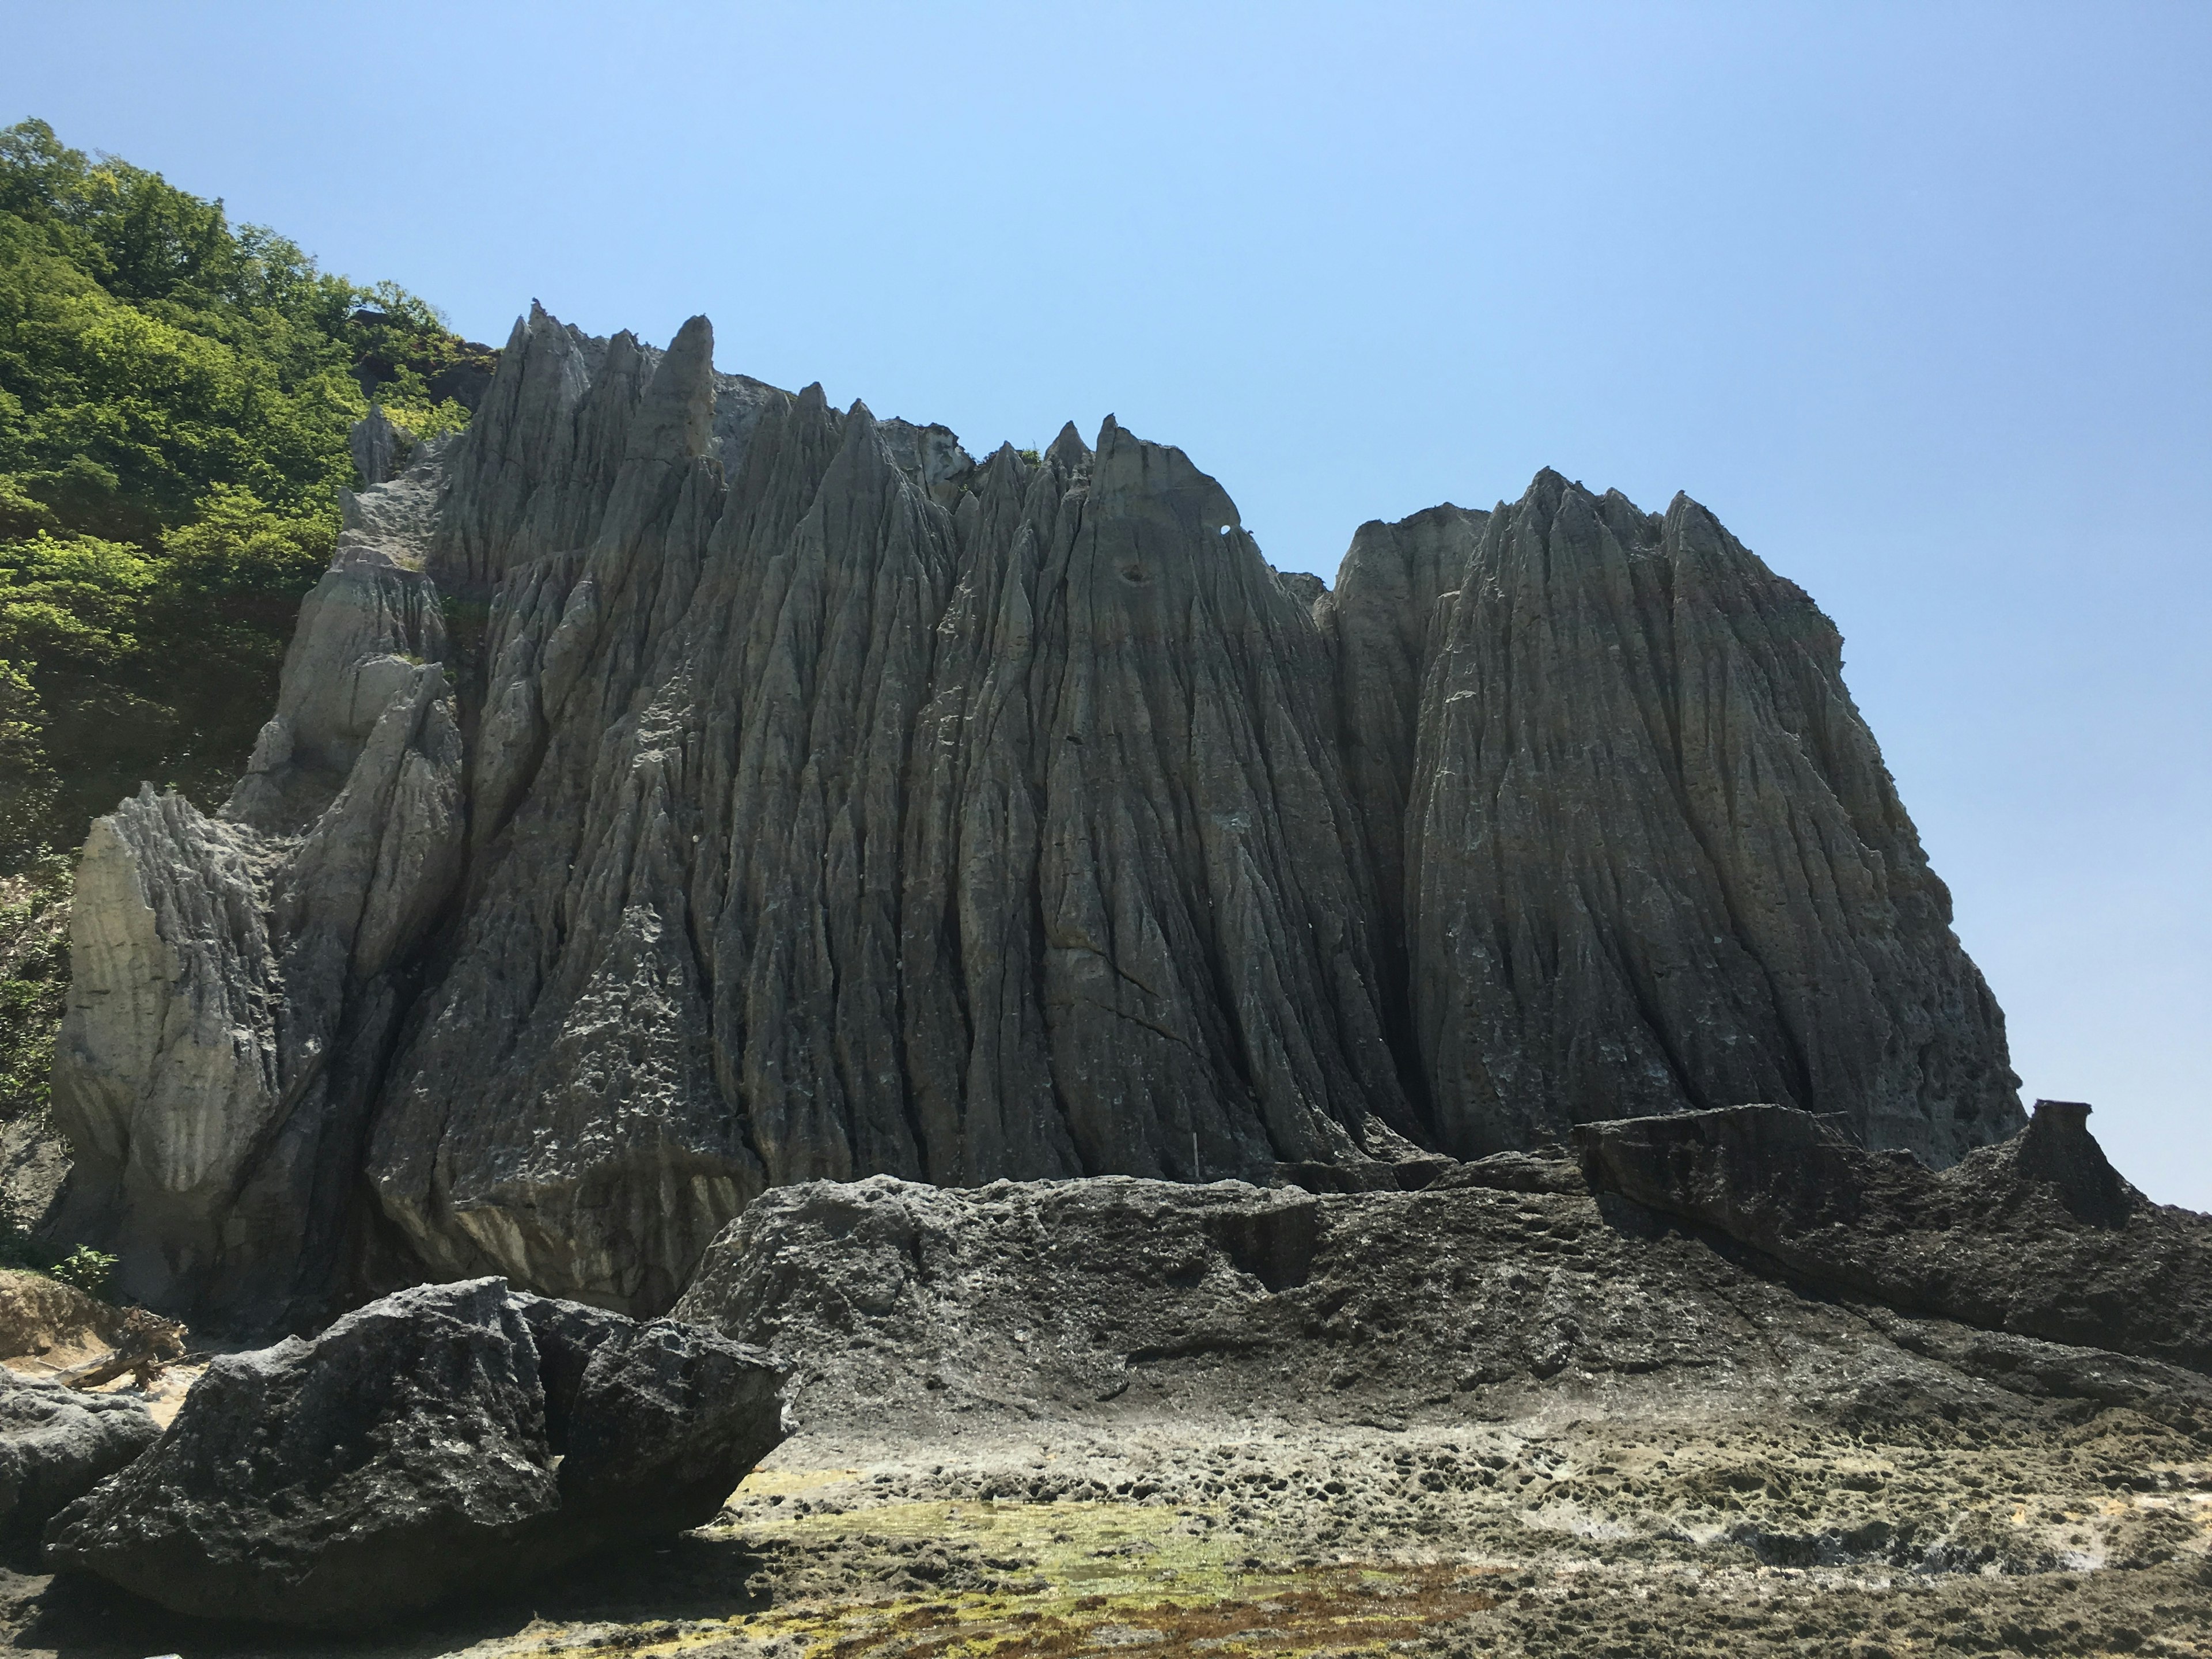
x,y
448,1437
889,1296
380,448
826,829
680,788
907,1310
1653,858
55,1445
237,980
2039,1236
1392,603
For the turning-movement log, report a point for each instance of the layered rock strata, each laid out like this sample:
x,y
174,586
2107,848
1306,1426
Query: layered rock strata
x,y
681,788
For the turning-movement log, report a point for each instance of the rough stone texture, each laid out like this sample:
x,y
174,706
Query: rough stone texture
x,y
899,1300
2039,1236
1391,604
680,788
827,830
1655,862
415,1450
1457,1420
237,980
1549,1387
55,1445
380,448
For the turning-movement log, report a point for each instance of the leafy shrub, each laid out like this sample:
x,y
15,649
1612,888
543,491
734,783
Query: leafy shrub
x,y
35,908
88,1269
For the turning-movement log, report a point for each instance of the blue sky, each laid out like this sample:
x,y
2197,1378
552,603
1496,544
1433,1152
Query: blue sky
x,y
1917,297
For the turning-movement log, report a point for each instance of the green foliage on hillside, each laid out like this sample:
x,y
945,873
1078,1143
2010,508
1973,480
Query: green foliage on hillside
x,y
34,907
175,397
33,931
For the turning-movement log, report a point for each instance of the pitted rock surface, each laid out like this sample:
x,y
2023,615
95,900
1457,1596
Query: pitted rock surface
x,y
1090,1300
2039,1236
55,1445
451,1437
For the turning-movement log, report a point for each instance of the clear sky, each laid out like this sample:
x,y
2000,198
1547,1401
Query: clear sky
x,y
1917,297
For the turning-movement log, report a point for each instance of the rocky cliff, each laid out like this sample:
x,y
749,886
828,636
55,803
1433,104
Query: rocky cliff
x,y
680,788
1653,859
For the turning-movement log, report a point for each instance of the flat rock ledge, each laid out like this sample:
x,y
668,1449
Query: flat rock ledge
x,y
450,1436
1479,1287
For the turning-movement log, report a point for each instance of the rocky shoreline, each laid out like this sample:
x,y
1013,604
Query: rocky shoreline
x,y
1118,1415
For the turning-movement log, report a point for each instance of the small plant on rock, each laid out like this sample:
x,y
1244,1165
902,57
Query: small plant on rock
x,y
87,1269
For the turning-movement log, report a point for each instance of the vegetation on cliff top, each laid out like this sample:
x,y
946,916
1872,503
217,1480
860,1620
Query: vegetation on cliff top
x,y
175,397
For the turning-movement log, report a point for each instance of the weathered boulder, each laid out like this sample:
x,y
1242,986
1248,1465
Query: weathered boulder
x,y
443,1438
55,1445
680,788
667,1418
2039,1235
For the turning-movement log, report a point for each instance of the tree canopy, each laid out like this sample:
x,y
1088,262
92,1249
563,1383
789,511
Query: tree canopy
x,y
174,397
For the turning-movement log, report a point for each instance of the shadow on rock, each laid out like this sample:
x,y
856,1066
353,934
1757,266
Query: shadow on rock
x,y
682,1579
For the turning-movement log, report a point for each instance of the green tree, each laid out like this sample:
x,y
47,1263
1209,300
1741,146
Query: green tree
x,y
175,397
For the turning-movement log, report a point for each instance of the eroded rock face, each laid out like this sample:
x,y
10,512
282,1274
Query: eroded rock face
x,y
681,788
416,1448
2039,1236
237,980
1654,861
1385,618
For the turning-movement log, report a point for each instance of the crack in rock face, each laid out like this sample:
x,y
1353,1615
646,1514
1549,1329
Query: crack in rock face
x,y
680,788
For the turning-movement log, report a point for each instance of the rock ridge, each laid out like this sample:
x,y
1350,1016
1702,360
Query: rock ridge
x,y
681,787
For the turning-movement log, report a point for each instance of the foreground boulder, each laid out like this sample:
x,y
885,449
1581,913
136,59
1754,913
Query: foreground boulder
x,y
2039,1236
55,1445
450,1436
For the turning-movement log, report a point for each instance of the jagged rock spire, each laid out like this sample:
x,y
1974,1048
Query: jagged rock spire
x,y
793,795
1654,859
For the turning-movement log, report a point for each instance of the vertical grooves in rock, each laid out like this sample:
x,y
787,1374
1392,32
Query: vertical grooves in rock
x,y
832,803
1638,887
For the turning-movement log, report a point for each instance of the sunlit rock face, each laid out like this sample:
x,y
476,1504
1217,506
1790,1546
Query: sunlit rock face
x,y
1653,858
681,786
